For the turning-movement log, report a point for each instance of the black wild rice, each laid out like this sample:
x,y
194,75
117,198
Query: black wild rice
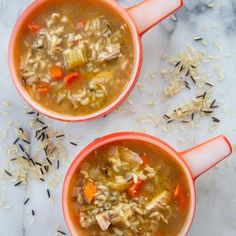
x,y
61,232
213,104
48,193
177,63
187,85
15,142
207,112
194,81
25,202
17,184
26,141
74,144
209,84
21,147
8,173
192,116
38,164
39,121
166,116
50,163
30,113
215,120
58,164
60,136
41,170
198,39
187,74
21,130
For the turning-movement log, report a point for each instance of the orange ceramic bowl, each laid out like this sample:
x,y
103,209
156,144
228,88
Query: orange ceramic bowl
x,y
135,19
194,162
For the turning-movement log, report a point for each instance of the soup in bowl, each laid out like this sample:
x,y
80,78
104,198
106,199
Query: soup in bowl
x,y
76,60
135,184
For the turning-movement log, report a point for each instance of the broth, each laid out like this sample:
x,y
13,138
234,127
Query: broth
x,y
76,57
138,189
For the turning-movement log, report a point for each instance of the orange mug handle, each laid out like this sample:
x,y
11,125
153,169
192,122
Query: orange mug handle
x,y
150,12
203,157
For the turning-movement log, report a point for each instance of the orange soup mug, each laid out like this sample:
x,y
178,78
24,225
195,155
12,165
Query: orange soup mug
x,y
194,162
139,18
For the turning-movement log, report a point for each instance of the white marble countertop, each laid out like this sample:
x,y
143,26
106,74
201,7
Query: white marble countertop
x,y
216,190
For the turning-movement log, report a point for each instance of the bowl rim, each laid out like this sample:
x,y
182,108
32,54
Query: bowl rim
x,y
127,136
138,58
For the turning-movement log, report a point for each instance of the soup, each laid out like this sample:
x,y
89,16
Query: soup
x,y
76,57
129,188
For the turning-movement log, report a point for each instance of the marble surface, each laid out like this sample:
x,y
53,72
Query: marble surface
x,y
216,190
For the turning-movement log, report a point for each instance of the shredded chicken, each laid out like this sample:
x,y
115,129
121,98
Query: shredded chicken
x,y
103,221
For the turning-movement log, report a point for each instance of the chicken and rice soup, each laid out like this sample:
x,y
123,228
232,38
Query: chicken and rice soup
x,y
129,188
76,57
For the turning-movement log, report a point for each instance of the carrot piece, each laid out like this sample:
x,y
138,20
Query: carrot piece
x,y
89,191
34,27
71,77
43,88
145,159
56,73
133,190
178,191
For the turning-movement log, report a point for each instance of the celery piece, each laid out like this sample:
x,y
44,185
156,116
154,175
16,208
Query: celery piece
x,y
75,57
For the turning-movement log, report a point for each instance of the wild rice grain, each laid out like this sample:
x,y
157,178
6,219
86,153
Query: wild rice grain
x,y
194,81
61,232
74,144
187,85
33,213
213,103
204,95
209,84
8,173
177,63
21,130
15,142
60,136
58,164
50,163
166,116
38,164
207,112
215,120
192,116
39,121
41,170
25,202
17,184
26,141
198,39
48,193
21,147
187,74
27,154
30,113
